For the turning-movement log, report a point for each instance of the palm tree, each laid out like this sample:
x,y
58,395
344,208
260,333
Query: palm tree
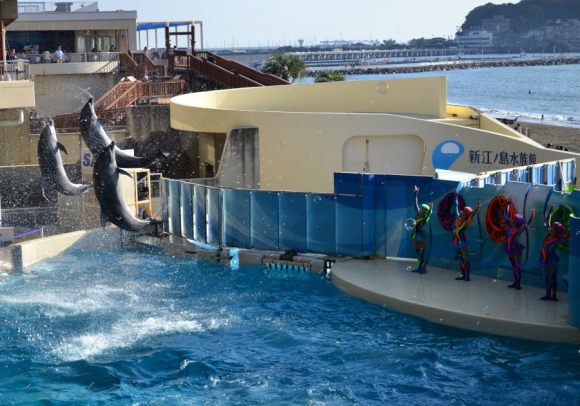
x,y
328,76
285,67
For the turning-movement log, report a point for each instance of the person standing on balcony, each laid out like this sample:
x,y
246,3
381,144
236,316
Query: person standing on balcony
x,y
59,55
11,55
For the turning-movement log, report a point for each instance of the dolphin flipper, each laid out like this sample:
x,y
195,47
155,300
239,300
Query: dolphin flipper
x,y
124,172
61,147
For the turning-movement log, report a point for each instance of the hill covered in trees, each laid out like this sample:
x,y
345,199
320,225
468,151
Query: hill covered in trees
x,y
525,15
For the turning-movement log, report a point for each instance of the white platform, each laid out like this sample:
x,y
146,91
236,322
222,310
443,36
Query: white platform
x,y
482,304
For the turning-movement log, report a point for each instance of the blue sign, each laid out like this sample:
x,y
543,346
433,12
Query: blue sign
x,y
446,154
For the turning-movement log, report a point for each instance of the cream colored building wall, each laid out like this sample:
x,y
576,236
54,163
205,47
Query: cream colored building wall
x,y
16,94
303,129
425,97
57,94
13,139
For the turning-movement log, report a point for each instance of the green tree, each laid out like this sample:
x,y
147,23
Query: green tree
x,y
328,76
525,15
285,66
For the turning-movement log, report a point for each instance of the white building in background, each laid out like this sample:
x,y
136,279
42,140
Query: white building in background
x,y
475,38
76,27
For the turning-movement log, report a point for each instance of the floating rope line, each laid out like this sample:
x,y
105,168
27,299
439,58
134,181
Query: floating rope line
x,y
21,235
446,210
562,215
495,222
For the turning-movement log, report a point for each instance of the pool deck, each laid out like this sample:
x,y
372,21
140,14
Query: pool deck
x,y
482,304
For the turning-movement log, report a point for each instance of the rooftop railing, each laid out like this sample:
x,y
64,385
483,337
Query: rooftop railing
x,y
58,7
73,57
15,70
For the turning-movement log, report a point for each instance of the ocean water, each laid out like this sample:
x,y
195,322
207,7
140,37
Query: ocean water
x,y
505,92
127,328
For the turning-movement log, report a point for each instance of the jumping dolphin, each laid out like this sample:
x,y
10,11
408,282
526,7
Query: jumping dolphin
x,y
97,140
110,194
51,168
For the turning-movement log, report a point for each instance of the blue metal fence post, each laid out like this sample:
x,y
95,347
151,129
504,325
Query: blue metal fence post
x,y
175,207
574,273
187,210
368,207
165,204
200,213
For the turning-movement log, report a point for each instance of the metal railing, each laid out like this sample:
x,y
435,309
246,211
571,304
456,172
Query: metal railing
x,y
559,174
111,120
32,217
140,65
212,71
264,78
73,57
15,70
59,7
127,93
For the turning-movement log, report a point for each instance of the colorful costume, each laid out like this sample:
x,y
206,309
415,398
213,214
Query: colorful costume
x,y
513,248
548,258
419,235
460,239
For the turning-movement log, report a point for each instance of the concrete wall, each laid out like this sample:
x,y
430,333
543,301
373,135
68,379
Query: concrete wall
x,y
8,11
143,120
14,140
57,94
241,171
303,129
16,94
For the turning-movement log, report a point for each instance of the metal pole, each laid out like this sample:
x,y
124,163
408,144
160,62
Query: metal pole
x,y
193,38
156,47
167,41
176,38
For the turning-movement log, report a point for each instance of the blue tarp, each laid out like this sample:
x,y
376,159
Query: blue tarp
x,y
142,27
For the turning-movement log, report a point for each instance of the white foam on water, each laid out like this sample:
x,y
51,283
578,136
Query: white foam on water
x,y
58,304
556,120
185,363
123,334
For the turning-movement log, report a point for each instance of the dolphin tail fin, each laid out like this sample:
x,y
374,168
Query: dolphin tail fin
x,y
162,156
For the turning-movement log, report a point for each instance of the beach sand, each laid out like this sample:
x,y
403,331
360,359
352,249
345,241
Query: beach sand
x,y
569,137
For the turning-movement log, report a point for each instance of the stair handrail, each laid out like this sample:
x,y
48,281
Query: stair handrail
x,y
212,71
118,99
108,98
261,77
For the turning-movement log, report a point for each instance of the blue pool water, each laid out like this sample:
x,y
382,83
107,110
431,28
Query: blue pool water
x,y
126,328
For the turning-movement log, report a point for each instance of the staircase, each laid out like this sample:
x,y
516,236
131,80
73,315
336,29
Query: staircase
x,y
126,94
140,65
219,71
112,107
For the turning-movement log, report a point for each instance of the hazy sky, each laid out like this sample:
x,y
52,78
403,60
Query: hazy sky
x,y
245,22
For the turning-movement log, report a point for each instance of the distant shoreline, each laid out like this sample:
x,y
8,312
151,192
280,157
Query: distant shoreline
x,y
448,67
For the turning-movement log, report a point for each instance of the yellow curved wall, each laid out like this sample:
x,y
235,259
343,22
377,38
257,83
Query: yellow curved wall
x,y
303,128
